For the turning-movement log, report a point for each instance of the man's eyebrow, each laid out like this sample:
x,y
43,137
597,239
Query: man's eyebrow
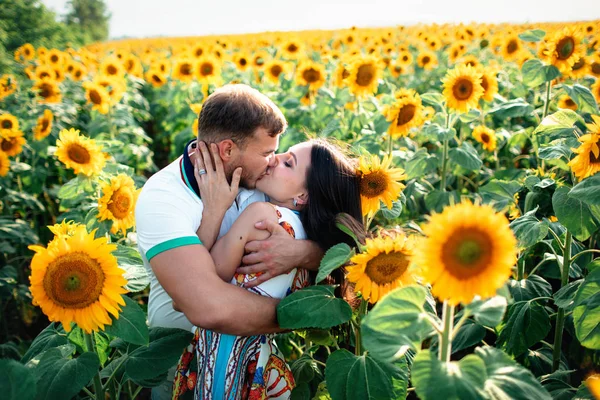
x,y
295,158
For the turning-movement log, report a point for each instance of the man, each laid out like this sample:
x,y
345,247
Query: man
x,y
245,126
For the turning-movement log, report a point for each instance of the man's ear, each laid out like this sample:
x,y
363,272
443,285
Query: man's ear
x,y
303,198
227,149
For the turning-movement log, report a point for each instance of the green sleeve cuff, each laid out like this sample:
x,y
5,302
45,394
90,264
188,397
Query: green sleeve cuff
x,y
171,244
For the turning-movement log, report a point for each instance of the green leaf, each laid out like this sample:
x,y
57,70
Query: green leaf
x,y
351,377
473,115
433,379
565,296
526,324
341,225
586,314
555,152
535,72
48,338
499,193
575,215
469,334
435,100
466,156
487,312
62,378
301,392
394,212
17,381
583,97
131,324
163,351
511,109
528,229
312,307
398,322
530,288
305,368
533,35
334,258
587,191
508,380
437,200
558,125
130,261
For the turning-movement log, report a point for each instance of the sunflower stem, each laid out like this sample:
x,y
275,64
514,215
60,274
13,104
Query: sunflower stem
x,y
560,317
446,337
445,156
544,115
362,311
98,389
390,146
584,252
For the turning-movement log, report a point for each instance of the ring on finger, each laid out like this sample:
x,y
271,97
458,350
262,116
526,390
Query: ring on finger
x,y
201,171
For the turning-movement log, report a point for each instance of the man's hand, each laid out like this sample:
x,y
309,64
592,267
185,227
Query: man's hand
x,y
278,254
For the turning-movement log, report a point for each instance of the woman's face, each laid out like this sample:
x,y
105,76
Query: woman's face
x,y
286,179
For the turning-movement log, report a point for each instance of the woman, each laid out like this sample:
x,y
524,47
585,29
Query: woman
x,y
307,188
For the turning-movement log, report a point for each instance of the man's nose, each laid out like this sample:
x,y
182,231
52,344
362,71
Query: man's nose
x,y
273,161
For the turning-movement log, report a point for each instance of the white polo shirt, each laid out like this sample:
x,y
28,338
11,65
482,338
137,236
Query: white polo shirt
x,y
167,215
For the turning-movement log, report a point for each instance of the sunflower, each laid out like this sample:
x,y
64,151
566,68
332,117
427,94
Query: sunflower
x,y
78,72
470,60
341,74
462,88
292,49
567,102
427,60
511,47
184,70
404,58
118,202
66,228
79,152
28,51
311,74
587,161
11,142
133,65
115,87
565,48
113,67
405,113
457,50
489,83
364,75
4,163
275,69
469,251
44,125
54,57
48,90
485,136
595,66
593,385
208,70
8,122
259,59
242,61
378,182
383,265
77,279
156,77
97,96
580,68
8,85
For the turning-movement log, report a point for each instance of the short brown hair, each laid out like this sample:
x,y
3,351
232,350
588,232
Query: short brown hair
x,y
235,111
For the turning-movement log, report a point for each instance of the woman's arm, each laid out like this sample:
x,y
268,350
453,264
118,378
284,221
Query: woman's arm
x,y
228,251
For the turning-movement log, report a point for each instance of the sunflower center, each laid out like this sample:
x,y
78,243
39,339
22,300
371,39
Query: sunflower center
x,y
243,62
95,97
156,78
120,203
593,158
596,68
406,114
578,65
276,70
199,52
7,124
373,184
565,48
54,58
462,89
311,75
569,103
112,70
485,138
74,280
512,46
44,74
467,252
292,48
78,153
185,69
386,268
426,60
6,145
206,69
484,83
365,75
45,124
46,90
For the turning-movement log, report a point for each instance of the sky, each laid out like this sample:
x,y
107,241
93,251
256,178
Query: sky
x,y
152,18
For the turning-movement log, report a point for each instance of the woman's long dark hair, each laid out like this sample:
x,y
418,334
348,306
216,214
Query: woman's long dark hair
x,y
333,189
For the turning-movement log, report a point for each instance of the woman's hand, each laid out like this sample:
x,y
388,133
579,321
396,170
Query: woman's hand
x,y
216,193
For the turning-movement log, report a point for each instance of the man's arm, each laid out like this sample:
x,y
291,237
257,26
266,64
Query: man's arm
x,y
278,254
188,275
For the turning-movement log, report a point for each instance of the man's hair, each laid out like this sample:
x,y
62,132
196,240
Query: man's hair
x,y
234,112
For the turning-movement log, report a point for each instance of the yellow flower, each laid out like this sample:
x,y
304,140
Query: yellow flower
x,y
565,101
469,251
4,163
97,96
485,136
27,51
378,182
405,113
593,385
54,57
118,202
208,70
341,74
364,76
383,265
275,69
427,60
404,58
489,83
11,142
595,66
565,48
587,161
462,88
44,125
8,85
580,68
242,61
77,279
184,70
310,74
8,122
48,90
112,67
292,50
79,152
156,77
66,228
196,108
511,47
115,87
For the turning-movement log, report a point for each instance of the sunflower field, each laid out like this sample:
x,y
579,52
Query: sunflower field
x,y
478,150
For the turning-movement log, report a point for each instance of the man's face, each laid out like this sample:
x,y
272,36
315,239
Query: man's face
x,y
256,157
